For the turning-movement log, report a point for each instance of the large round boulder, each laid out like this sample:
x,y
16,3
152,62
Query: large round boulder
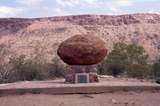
x,y
82,50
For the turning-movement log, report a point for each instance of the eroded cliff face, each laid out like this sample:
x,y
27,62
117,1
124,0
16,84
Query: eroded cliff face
x,y
28,36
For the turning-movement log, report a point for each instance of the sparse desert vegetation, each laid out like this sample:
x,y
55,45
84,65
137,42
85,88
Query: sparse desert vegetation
x,y
123,61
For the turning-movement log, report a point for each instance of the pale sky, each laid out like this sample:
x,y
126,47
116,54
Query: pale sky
x,y
47,8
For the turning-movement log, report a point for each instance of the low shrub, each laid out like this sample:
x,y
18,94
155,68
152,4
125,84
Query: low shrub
x,y
6,73
156,71
115,69
57,68
139,71
27,69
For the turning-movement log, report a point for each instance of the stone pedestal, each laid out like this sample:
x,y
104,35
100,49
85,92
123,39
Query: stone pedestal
x,y
77,70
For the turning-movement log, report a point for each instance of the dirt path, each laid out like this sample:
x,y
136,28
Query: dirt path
x,y
106,99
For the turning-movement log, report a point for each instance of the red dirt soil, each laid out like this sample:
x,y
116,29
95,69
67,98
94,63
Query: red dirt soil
x,y
106,99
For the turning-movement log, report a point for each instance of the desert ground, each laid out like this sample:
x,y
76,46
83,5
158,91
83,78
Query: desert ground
x,y
104,99
118,98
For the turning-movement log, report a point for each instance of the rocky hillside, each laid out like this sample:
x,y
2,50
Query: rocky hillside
x,y
43,35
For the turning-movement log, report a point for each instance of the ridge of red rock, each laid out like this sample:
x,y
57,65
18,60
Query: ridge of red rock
x,y
13,25
23,35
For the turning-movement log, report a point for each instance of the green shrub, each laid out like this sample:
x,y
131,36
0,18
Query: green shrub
x,y
139,71
156,71
27,69
115,69
31,71
101,68
6,74
57,68
125,57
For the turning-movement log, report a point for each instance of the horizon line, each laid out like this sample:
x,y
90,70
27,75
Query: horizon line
x,y
155,13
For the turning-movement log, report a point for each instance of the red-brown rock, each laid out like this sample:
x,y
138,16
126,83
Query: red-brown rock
x,y
82,50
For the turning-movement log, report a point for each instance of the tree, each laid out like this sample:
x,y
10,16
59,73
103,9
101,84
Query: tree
x,y
136,54
123,55
118,55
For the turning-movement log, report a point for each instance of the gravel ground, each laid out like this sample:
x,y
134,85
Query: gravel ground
x,y
105,99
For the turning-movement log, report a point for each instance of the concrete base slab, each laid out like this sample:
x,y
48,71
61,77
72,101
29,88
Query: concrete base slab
x,y
60,87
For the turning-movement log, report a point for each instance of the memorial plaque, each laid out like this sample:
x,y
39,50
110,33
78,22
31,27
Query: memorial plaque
x,y
82,78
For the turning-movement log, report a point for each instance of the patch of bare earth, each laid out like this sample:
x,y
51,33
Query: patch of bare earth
x,y
106,99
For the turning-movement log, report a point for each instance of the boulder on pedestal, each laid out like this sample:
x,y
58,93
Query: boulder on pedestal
x,y
82,50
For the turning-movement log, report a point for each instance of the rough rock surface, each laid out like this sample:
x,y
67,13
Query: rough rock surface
x,y
82,50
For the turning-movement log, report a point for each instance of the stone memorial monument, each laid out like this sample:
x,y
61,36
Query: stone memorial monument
x,y
81,53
